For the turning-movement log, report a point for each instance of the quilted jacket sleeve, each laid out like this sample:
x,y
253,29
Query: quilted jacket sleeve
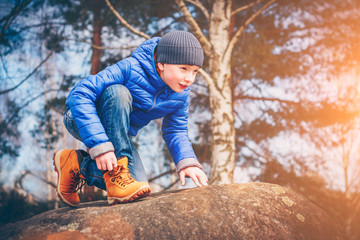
x,y
175,134
83,96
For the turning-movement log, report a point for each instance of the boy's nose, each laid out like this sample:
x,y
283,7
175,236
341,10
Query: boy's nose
x,y
189,79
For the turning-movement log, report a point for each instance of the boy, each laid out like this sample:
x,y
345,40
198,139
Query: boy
x,y
105,109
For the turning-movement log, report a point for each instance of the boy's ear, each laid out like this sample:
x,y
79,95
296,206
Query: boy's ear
x,y
161,66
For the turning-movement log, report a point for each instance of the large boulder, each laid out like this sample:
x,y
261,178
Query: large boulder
x,y
237,211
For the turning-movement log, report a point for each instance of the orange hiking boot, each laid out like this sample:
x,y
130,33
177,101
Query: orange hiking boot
x,y
121,187
70,179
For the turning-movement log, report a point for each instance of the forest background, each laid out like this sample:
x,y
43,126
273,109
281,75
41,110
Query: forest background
x,y
277,99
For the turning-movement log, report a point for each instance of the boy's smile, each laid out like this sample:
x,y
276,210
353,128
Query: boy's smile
x,y
177,77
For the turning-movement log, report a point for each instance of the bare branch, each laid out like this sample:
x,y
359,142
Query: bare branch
x,y
9,119
12,15
100,47
262,158
28,76
20,179
31,26
195,27
245,7
210,81
258,12
207,77
238,33
4,65
166,27
171,171
125,23
265,99
198,4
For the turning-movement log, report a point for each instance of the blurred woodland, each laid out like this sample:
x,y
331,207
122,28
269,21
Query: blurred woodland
x,y
277,100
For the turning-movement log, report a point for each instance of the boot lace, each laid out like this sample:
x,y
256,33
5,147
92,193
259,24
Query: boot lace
x,y
121,176
76,182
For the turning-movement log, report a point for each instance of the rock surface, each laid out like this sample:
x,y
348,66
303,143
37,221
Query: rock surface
x,y
258,211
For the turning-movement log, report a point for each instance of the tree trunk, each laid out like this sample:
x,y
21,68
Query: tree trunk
x,y
96,56
222,122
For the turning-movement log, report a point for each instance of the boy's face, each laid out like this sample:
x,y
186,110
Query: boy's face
x,y
177,77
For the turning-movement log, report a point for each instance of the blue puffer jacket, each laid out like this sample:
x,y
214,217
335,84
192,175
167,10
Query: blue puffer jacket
x,y
152,99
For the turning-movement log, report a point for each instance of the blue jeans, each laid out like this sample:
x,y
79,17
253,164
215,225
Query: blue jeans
x,y
113,109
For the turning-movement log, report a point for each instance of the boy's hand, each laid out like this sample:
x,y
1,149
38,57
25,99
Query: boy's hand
x,y
196,174
106,161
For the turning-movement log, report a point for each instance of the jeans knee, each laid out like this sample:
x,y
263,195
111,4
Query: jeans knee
x,y
119,95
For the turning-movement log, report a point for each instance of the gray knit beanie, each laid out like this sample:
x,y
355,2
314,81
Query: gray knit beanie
x,y
180,47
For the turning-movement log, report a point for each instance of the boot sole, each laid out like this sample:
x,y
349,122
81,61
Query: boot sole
x,y
140,193
56,163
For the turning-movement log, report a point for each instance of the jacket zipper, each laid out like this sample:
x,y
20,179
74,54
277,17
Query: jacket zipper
x,y
155,98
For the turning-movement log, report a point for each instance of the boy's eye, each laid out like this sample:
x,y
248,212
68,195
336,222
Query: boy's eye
x,y
183,68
